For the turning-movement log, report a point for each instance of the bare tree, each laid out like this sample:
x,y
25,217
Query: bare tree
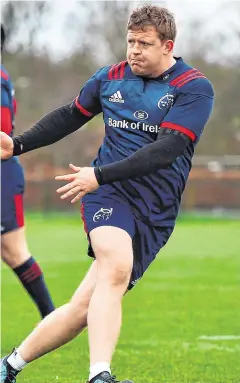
x,y
16,14
105,29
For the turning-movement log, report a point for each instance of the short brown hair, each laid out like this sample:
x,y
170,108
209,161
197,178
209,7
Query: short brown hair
x,y
160,18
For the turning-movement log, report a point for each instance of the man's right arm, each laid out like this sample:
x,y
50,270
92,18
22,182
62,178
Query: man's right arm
x,y
51,128
62,121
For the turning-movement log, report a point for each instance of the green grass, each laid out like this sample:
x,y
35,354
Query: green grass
x,y
191,290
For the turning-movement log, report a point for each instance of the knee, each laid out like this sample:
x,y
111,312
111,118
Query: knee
x,y
119,275
114,265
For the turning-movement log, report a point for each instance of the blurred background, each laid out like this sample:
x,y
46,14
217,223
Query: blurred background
x,y
53,47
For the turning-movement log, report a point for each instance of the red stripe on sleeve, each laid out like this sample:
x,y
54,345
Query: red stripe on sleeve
x,y
110,73
4,75
81,108
6,120
116,71
123,64
187,132
185,81
177,79
18,199
190,75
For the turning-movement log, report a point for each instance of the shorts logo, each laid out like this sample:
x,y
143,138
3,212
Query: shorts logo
x,y
2,228
166,101
141,115
135,282
102,214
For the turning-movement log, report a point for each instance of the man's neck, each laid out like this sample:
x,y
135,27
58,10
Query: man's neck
x,y
166,65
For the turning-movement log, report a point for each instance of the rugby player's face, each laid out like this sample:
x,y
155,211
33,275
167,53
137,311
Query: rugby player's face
x,y
146,52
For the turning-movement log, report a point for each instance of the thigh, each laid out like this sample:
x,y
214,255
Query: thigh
x,y
112,247
12,189
147,243
105,209
110,227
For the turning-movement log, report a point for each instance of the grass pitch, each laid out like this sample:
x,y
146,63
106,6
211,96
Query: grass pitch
x,y
175,321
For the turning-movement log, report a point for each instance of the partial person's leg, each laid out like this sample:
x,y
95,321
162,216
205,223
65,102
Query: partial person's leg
x,y
112,247
55,330
14,246
62,325
16,255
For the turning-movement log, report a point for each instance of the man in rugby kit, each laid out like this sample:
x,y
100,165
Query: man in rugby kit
x,y
14,249
155,107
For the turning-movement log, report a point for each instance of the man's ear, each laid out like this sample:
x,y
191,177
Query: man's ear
x,y
168,46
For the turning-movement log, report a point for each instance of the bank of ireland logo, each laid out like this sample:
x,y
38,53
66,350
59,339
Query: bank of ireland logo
x,y
104,214
140,115
166,101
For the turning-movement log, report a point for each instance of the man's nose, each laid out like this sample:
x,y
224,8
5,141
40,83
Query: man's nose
x,y
136,49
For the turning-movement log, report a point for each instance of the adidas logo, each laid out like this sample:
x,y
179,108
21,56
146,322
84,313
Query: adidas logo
x,y
117,97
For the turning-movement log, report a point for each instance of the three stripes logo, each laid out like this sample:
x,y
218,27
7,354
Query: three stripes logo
x,y
117,97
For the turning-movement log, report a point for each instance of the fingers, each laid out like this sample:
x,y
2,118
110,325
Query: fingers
x,y
75,168
71,192
66,177
72,188
69,177
67,187
79,196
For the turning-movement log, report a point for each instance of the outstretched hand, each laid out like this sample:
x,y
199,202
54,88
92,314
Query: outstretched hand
x,y
82,181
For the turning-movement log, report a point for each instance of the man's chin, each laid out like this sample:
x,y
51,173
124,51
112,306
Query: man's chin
x,y
137,70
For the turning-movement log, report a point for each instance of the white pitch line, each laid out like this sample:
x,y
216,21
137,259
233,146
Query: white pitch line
x,y
219,337
214,346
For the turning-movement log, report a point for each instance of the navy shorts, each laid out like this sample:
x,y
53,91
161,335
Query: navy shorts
x,y
106,207
12,189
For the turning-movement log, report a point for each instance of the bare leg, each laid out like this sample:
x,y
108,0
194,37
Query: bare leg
x,y
62,325
14,248
113,249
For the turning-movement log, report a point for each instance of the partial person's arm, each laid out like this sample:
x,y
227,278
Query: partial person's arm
x,y
51,128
